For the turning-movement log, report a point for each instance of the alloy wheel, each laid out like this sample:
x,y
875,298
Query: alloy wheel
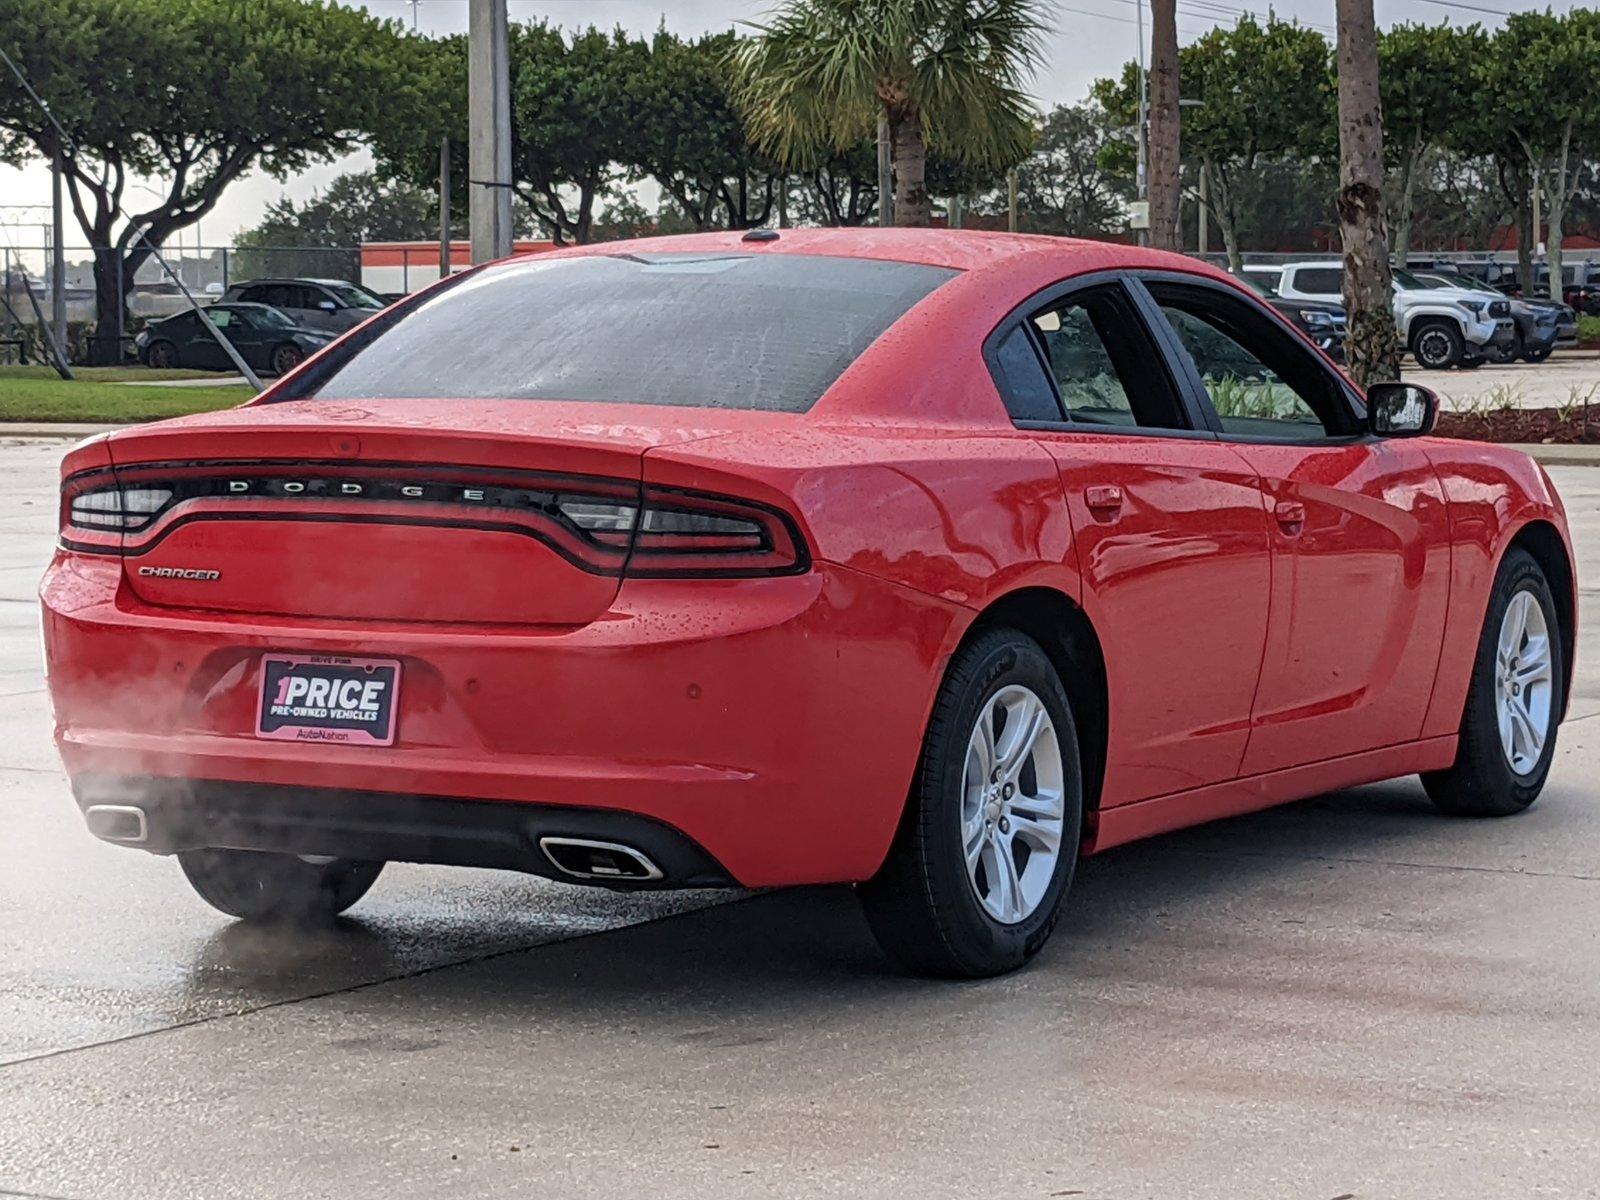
x,y
1012,804
1524,682
1433,348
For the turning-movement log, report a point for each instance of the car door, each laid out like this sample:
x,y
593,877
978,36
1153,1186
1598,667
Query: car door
x,y
1169,533
1359,535
203,350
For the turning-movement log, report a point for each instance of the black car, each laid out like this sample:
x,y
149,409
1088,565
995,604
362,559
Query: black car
x,y
1319,320
266,339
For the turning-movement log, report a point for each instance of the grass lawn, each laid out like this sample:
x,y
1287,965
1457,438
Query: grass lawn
x,y
38,394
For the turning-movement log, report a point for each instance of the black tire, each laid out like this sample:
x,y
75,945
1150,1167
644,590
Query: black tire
x,y
286,358
1538,356
161,354
1472,364
1481,782
1437,345
255,886
922,907
1509,354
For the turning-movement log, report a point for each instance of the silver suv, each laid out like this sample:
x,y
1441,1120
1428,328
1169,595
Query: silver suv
x,y
1441,326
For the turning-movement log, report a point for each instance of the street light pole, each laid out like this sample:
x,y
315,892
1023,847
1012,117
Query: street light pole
x,y
489,129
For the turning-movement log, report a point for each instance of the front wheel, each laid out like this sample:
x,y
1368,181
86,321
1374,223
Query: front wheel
x,y
1508,730
1539,355
161,355
989,842
1438,345
257,886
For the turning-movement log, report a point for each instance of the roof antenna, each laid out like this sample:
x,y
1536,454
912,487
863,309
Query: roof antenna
x,y
68,146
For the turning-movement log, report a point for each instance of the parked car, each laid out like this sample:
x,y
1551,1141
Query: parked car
x,y
1580,285
906,570
1539,324
1442,327
328,304
1319,320
265,338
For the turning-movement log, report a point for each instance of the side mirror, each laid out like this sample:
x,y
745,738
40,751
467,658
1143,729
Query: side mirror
x,y
1401,409
328,306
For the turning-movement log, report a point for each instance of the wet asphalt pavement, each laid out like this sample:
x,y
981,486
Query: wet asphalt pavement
x,y
1345,997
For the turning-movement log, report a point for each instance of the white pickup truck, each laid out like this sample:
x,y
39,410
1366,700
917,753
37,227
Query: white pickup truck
x,y
1442,327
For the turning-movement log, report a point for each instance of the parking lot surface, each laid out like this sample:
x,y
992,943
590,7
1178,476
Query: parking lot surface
x,y
1566,378
1347,997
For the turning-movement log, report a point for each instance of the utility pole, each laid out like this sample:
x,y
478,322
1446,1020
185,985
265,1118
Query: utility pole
x,y
885,175
1011,199
1205,207
444,207
489,129
1141,179
58,258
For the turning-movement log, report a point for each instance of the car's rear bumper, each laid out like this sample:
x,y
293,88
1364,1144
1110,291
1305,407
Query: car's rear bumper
x,y
170,815
775,723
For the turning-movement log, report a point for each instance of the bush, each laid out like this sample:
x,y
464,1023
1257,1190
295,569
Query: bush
x,y
1589,331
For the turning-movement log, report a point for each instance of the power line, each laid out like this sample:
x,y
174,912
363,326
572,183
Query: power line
x,y
1493,12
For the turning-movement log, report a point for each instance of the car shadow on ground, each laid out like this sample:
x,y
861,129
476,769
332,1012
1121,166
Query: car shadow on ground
x,y
802,952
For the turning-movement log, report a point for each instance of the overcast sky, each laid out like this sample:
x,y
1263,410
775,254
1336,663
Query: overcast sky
x,y
1091,38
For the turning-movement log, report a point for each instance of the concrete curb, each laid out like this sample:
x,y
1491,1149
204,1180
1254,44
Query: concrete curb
x,y
73,430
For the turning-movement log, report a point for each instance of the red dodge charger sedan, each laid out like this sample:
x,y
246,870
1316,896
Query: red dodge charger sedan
x,y
924,561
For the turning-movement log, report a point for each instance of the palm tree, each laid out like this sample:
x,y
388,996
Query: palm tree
x,y
1164,160
949,73
1368,298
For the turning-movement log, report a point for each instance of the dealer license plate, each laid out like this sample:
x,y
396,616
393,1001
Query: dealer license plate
x,y
328,698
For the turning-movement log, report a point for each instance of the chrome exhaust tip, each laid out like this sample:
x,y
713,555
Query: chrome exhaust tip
x,y
585,858
117,823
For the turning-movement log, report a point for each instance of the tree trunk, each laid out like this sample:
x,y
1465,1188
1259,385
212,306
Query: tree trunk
x,y
1221,201
1370,349
1164,164
1557,193
911,204
1408,192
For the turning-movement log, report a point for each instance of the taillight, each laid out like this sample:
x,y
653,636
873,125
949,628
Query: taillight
x,y
603,525
680,533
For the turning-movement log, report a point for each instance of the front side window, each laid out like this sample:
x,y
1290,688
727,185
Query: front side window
x,y
1259,381
707,330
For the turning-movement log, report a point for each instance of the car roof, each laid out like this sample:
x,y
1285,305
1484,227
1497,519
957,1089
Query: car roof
x,y
290,279
952,249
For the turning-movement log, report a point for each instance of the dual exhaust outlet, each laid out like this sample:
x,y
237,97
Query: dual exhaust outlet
x,y
576,858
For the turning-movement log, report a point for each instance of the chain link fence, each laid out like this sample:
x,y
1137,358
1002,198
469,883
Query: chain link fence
x,y
207,271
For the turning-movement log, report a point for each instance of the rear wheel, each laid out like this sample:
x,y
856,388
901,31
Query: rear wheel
x,y
1508,731
1437,345
256,886
161,355
987,849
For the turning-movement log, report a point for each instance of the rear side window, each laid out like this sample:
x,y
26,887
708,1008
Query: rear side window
x,y
761,331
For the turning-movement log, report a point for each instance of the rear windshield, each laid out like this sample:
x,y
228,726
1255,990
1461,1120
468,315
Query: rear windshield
x,y
763,331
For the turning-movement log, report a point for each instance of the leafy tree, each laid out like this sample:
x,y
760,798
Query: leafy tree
x,y
1069,185
194,93
575,108
1423,73
354,208
947,75
1543,73
1369,343
690,137
1264,92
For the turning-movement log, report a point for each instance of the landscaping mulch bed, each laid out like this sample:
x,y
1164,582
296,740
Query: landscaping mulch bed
x,y
1555,426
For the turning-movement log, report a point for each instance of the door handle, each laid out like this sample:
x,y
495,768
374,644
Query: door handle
x,y
1103,499
1291,515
